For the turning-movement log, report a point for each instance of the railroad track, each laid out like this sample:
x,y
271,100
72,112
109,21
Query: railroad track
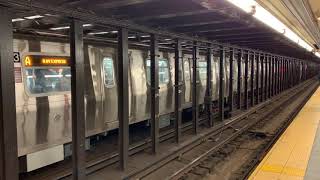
x,y
219,129
190,159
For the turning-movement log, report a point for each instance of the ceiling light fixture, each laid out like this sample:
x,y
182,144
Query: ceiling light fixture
x,y
34,17
267,18
98,33
17,19
145,36
68,27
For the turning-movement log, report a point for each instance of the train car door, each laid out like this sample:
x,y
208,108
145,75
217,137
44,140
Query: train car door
x,y
109,91
187,80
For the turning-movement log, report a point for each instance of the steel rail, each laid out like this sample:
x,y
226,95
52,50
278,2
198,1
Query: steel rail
x,y
216,130
196,161
277,135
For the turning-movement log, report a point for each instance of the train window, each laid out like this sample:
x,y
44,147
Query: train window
x,y
108,72
163,71
202,69
48,80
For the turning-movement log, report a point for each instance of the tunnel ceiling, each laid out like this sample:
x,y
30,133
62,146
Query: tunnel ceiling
x,y
210,19
301,16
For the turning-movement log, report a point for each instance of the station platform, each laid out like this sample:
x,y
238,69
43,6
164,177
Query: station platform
x,y
296,154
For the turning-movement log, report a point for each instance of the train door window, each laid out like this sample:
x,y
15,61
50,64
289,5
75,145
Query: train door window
x,y
202,69
163,71
108,72
40,81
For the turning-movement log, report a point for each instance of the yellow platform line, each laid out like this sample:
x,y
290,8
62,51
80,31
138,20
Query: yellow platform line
x,y
288,158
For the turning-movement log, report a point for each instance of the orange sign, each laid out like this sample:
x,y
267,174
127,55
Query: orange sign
x,y
40,60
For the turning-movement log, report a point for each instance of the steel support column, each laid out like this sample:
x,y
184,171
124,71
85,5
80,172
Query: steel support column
x,y
276,87
258,78
262,60
209,87
195,83
221,83
178,84
123,97
287,74
252,79
270,77
292,73
230,102
154,53
8,127
282,70
77,94
279,75
246,69
266,79
239,81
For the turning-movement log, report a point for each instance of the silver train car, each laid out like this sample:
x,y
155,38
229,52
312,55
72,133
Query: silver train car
x,y
43,98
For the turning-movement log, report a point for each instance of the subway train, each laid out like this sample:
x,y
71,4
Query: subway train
x,y
43,97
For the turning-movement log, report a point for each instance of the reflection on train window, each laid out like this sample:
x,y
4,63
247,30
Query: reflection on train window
x,y
108,72
163,71
202,69
186,70
48,80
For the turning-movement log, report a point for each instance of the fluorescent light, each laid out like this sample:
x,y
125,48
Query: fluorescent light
x,y
60,28
167,39
267,18
17,19
245,5
68,27
114,32
131,37
98,33
317,54
145,36
34,17
165,43
87,25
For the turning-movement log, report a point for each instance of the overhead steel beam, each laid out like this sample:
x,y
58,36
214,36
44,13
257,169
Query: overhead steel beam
x,y
77,94
8,126
123,97
243,37
225,30
171,15
199,23
121,3
108,21
216,35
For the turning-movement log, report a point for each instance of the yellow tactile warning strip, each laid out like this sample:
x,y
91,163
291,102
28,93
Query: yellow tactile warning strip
x,y
288,158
